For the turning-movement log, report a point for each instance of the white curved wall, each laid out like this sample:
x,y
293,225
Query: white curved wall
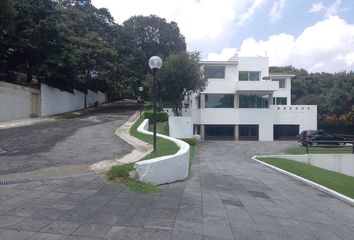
x,y
164,169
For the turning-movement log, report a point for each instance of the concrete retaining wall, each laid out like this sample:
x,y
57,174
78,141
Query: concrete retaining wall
x,y
55,101
18,102
164,169
180,127
342,163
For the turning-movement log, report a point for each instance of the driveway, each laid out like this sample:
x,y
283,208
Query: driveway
x,y
227,196
79,138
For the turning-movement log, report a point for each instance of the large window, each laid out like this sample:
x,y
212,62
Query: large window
x,y
219,132
248,76
280,101
281,82
285,132
214,71
253,101
219,100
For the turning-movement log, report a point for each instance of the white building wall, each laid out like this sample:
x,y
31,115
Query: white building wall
x,y
254,64
54,101
15,101
305,116
284,92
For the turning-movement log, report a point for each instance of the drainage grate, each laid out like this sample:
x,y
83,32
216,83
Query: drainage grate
x,y
41,179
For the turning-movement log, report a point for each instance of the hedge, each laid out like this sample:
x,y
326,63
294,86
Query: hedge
x,y
160,116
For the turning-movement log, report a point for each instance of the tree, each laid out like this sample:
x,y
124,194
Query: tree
x,y
152,36
180,75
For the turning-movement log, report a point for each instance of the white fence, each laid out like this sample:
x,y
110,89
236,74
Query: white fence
x,y
18,102
164,169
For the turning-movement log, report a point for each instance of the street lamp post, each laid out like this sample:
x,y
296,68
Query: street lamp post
x,y
141,100
155,64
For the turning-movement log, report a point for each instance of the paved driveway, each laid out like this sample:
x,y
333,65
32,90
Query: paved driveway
x,y
72,139
228,196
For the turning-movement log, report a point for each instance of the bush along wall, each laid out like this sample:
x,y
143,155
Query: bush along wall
x,y
160,116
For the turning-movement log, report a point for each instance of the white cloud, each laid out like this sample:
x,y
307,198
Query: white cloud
x,y
224,55
316,7
325,46
201,21
276,12
331,10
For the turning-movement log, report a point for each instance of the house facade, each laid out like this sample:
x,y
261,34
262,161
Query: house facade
x,y
243,101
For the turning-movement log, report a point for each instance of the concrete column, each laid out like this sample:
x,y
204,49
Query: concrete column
x,y
202,100
236,132
202,132
237,100
270,99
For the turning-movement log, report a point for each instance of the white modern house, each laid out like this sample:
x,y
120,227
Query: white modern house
x,y
243,101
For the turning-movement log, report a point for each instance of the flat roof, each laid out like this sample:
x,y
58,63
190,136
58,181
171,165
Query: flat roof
x,y
218,62
281,75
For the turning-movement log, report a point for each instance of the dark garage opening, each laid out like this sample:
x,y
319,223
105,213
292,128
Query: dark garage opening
x,y
219,132
285,132
248,132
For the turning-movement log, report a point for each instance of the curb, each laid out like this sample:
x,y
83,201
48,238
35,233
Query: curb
x,y
140,148
313,184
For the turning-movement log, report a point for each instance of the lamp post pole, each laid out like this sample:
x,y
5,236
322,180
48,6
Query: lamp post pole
x,y
155,64
141,101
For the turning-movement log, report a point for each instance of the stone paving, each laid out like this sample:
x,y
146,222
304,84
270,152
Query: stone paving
x,y
228,196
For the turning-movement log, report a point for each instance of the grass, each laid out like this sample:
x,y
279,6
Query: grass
x,y
338,182
319,150
163,146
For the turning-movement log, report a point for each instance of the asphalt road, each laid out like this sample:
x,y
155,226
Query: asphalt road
x,y
77,138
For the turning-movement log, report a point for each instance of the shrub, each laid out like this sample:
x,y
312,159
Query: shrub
x,y
160,116
190,141
120,171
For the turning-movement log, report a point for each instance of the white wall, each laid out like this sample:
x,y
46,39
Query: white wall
x,y
342,163
54,101
303,115
254,64
180,127
15,101
164,169
101,97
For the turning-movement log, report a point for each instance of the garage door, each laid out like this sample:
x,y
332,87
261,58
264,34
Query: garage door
x,y
219,132
285,132
248,132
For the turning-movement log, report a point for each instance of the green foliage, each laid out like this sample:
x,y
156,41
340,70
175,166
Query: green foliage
x,y
120,171
336,181
320,150
190,141
179,76
160,116
141,187
164,146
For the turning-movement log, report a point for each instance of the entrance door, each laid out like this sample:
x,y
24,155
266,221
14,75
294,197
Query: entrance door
x,y
34,105
219,132
285,132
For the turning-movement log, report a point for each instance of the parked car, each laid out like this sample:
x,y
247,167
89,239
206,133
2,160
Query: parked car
x,y
314,137
140,100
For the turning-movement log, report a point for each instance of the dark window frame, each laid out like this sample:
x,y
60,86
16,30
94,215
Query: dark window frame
x,y
208,71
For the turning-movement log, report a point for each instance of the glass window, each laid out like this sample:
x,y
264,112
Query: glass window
x,y
254,76
253,101
248,76
214,71
197,100
281,100
243,76
248,132
281,82
219,100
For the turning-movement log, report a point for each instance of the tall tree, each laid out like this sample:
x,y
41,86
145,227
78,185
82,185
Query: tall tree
x,y
179,76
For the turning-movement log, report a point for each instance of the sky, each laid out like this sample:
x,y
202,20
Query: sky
x,y
317,35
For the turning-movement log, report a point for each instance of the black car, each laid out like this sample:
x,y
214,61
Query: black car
x,y
314,137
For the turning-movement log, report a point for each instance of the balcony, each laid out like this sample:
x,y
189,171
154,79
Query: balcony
x,y
258,87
